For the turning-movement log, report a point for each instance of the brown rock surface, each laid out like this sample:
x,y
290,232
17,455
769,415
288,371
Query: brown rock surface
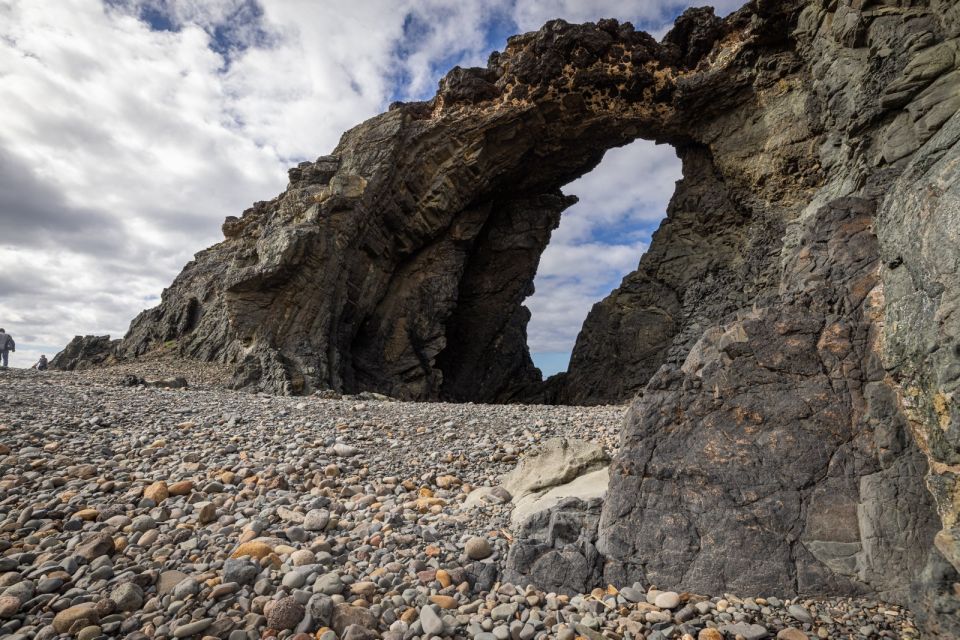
x,y
255,549
76,617
158,492
96,545
345,615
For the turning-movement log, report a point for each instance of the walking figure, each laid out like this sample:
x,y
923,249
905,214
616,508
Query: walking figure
x,y
7,345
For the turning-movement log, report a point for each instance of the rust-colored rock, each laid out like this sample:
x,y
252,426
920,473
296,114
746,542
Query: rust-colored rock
x,y
181,488
76,617
158,492
255,549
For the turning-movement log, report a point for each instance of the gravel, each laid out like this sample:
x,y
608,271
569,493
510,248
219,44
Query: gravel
x,y
139,512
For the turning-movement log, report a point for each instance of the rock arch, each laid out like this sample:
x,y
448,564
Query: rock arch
x,y
400,262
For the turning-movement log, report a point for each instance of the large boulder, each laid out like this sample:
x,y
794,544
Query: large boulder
x,y
556,550
589,486
795,425
557,491
782,438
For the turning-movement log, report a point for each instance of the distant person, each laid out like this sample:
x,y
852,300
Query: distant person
x,y
41,364
7,345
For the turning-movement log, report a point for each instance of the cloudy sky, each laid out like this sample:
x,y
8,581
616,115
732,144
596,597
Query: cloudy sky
x,y
131,128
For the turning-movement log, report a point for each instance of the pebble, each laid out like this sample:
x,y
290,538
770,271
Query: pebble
x,y
316,520
800,613
444,602
667,600
285,614
431,622
746,630
345,615
168,580
240,571
633,595
192,628
345,450
255,549
95,546
478,548
503,612
127,596
157,492
89,633
329,584
80,613
185,588
9,605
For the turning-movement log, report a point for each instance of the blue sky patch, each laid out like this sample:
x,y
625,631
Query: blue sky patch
x,y
157,19
551,362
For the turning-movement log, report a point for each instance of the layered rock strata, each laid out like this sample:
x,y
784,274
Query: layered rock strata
x,y
803,435
86,351
791,336
399,263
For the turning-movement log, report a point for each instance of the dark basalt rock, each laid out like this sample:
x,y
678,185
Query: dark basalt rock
x,y
779,437
400,262
790,342
795,426
84,352
556,549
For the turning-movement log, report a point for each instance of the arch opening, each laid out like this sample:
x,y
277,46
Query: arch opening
x,y
599,241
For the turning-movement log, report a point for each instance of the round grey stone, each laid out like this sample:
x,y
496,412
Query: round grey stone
x,y
667,600
478,548
431,622
127,596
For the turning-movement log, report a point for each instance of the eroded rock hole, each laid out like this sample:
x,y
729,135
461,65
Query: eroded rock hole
x,y
598,243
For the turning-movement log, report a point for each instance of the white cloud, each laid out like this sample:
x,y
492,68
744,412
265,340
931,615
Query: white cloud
x,y
124,147
116,135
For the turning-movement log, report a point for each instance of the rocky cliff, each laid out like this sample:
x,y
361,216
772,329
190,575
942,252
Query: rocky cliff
x,y
796,363
400,263
791,338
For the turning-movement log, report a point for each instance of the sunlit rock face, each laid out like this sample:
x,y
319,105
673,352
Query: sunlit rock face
x,y
789,342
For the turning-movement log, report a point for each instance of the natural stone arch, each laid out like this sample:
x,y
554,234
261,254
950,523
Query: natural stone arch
x,y
399,263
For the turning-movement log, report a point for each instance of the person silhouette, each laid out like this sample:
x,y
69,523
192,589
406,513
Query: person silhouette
x,y
7,346
41,364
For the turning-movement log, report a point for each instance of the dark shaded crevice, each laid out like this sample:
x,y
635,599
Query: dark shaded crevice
x,y
486,357
429,273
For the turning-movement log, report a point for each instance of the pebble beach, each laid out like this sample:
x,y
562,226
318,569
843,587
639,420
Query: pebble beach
x,y
130,511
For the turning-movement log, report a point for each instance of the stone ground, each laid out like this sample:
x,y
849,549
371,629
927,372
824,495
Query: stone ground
x,y
138,512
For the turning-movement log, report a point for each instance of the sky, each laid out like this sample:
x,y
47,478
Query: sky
x,y
133,127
